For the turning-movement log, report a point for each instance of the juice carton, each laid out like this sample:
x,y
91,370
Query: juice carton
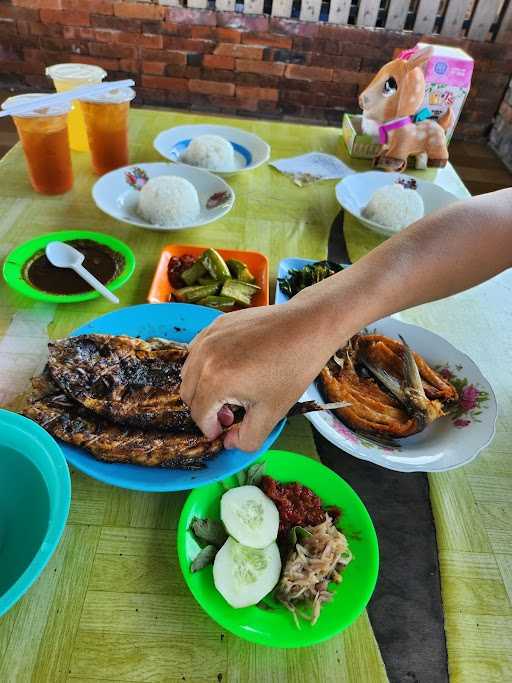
x,y
447,81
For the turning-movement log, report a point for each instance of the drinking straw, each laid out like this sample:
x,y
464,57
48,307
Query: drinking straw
x,y
56,99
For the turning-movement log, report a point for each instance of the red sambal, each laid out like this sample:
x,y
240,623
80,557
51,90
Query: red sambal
x,y
297,505
177,264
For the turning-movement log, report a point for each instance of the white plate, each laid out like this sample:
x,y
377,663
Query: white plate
x,y
448,443
113,195
354,193
250,150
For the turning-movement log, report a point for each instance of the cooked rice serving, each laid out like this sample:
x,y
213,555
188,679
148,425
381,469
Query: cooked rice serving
x,y
314,562
169,201
394,206
210,151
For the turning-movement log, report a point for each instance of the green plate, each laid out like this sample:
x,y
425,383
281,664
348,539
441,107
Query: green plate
x,y
276,628
16,260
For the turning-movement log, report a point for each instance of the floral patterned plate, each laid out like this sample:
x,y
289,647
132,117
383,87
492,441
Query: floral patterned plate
x,y
450,442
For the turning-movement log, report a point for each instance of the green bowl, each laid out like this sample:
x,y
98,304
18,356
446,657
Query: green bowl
x,y
276,628
16,260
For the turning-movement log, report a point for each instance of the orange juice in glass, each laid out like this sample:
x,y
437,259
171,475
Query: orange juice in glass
x,y
69,76
106,121
44,137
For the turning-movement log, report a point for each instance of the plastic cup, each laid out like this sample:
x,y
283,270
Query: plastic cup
x,y
44,136
106,121
69,76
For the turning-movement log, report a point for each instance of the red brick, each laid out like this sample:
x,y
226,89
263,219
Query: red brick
x,y
304,44
204,32
38,29
112,51
156,68
67,18
105,35
116,23
78,33
246,22
39,4
218,62
182,71
228,35
91,6
293,27
167,56
190,16
130,65
137,10
188,44
260,80
360,78
335,61
267,40
300,97
141,40
269,68
242,51
169,28
23,28
24,67
244,91
211,87
223,75
165,83
107,64
15,13
337,89
308,73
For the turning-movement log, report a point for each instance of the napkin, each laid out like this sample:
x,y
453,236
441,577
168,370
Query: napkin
x,y
309,168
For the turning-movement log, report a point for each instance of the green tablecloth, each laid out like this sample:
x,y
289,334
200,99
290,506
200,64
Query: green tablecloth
x,y
112,604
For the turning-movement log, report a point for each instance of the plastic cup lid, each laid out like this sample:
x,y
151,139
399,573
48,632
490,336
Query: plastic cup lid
x,y
76,72
54,110
114,96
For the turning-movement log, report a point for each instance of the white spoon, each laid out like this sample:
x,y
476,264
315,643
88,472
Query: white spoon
x,y
63,255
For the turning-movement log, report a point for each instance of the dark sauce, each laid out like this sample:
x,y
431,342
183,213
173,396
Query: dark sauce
x,y
104,263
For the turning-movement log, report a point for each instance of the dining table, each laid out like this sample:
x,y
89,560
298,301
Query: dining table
x,y
112,605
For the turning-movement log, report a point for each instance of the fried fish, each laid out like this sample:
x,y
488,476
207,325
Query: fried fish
x,y
392,391
127,380
52,409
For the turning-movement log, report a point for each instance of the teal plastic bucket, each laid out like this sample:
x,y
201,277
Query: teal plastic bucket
x,y
35,493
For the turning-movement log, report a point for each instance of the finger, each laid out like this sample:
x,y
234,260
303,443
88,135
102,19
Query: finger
x,y
226,416
205,414
190,374
250,434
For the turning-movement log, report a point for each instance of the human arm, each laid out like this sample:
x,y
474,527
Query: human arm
x,y
264,358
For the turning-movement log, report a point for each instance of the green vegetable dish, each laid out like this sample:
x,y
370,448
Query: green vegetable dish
x,y
212,281
299,279
275,544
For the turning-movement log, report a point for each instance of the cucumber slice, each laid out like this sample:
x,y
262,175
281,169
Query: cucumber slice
x,y
242,575
249,516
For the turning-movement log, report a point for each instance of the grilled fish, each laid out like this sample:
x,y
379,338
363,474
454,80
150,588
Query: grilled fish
x,y
127,380
71,422
390,389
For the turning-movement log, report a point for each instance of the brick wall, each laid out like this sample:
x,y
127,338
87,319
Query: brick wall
x,y
226,62
501,133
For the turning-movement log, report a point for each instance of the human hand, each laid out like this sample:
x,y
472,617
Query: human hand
x,y
261,359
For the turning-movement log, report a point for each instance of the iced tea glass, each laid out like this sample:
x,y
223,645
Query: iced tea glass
x,y
69,76
44,137
106,121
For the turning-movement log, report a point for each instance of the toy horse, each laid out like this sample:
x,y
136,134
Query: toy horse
x,y
390,104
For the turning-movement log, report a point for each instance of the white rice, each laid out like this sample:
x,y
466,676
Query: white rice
x,y
394,206
210,151
169,201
